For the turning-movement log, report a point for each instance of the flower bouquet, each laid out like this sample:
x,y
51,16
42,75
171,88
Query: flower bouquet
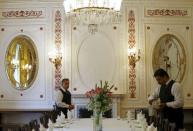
x,y
100,101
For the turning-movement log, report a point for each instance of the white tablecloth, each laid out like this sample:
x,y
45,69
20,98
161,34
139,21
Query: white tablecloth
x,y
87,125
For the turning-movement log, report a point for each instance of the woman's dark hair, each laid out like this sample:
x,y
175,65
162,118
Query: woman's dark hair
x,y
161,72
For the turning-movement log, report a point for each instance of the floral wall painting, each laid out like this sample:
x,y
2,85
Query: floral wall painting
x,y
169,54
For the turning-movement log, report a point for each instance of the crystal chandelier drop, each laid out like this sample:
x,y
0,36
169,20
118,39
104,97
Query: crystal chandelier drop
x,y
93,13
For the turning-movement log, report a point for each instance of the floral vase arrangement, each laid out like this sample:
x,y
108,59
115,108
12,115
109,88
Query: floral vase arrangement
x,y
100,101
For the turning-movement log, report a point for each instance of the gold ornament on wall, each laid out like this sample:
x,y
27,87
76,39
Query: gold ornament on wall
x,y
133,56
55,57
21,62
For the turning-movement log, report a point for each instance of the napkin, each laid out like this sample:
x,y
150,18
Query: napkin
x,y
130,115
63,116
69,114
42,128
140,116
50,123
151,128
58,120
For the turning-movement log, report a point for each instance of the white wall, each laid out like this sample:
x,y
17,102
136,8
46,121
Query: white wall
x,y
39,27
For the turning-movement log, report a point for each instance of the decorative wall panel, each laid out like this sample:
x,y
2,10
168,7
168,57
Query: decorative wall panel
x,y
180,46
132,39
38,38
94,58
169,12
22,13
169,54
31,22
58,42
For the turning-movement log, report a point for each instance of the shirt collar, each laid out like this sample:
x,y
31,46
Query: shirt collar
x,y
63,89
168,81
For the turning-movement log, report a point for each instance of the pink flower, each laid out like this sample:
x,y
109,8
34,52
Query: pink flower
x,y
98,90
100,97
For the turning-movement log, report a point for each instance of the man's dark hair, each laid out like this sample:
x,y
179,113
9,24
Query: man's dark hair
x,y
161,72
65,79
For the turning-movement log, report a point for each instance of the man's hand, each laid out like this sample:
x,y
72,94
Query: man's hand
x,y
151,101
71,107
162,105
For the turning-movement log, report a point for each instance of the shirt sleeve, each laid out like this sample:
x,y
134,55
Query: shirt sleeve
x,y
177,92
59,97
155,94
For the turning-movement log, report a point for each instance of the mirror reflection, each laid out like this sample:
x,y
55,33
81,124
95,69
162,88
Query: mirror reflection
x,y
21,62
169,54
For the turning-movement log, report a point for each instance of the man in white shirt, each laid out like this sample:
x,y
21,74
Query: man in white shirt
x,y
171,97
63,98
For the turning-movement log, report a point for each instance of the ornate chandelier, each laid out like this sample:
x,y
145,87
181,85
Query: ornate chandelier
x,y
93,13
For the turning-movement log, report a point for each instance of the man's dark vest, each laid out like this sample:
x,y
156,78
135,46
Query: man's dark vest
x,y
165,94
173,115
66,99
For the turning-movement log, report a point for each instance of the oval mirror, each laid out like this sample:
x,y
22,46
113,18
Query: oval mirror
x,y
169,54
21,62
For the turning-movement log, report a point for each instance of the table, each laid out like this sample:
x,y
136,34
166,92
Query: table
x,y
87,125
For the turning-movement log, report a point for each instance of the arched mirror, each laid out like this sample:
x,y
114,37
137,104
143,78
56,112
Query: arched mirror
x,y
169,54
21,62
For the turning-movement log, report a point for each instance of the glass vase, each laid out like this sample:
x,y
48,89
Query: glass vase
x,y
97,121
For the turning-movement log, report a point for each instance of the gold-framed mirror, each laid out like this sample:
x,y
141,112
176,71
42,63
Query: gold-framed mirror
x,y
169,54
21,62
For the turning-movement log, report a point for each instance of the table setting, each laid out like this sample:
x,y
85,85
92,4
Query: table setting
x,y
100,101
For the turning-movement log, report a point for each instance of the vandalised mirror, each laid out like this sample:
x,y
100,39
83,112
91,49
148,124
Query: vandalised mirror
x,y
169,54
21,62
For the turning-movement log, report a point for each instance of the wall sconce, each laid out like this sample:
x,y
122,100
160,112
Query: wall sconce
x,y
55,57
133,57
